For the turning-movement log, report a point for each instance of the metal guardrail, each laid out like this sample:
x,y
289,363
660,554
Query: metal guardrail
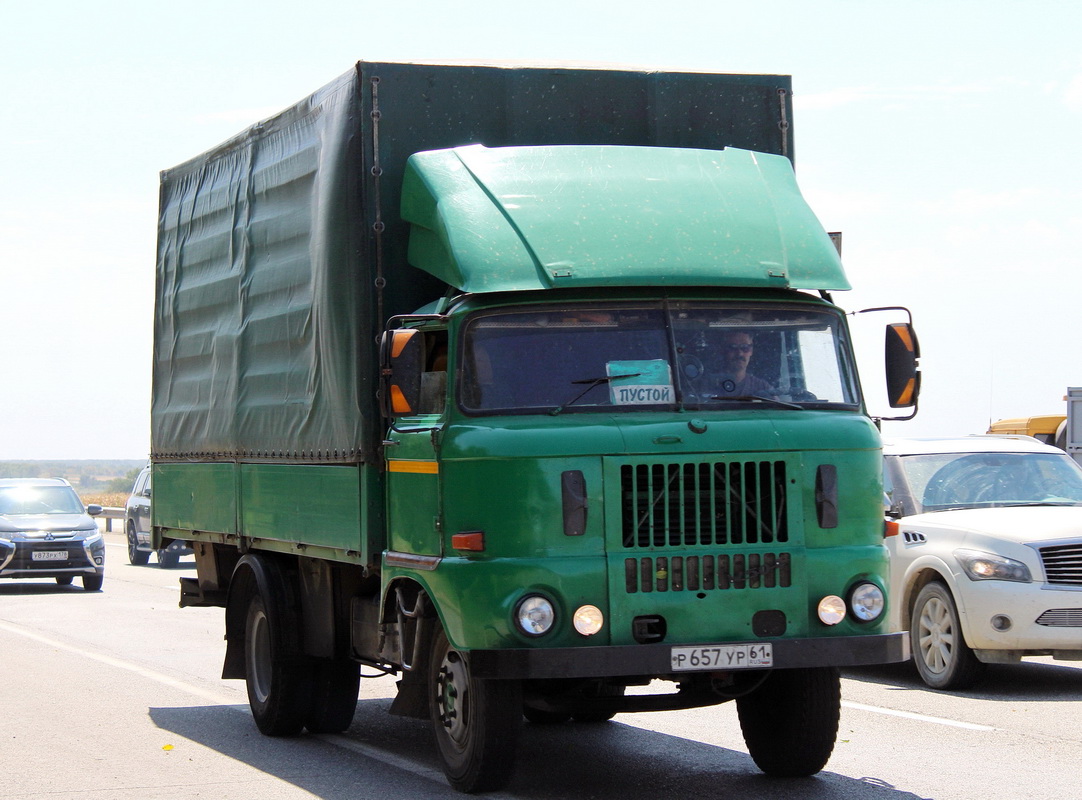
x,y
109,514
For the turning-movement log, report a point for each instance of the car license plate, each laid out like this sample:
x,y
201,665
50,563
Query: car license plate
x,y
49,555
722,657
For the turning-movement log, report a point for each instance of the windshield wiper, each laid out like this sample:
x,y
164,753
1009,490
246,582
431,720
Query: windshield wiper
x,y
754,398
590,384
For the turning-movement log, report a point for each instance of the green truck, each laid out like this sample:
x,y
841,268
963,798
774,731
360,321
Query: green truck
x,y
523,384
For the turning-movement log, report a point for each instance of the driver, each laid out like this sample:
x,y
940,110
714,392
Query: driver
x,y
733,378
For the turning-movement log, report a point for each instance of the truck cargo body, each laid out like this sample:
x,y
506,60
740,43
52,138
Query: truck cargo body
x,y
439,389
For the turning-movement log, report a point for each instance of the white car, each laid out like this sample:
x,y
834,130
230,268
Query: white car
x,y
985,541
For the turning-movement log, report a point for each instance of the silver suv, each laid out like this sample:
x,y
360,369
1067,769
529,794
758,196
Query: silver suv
x,y
137,527
45,532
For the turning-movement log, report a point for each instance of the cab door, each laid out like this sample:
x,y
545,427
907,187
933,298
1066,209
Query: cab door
x,y
415,364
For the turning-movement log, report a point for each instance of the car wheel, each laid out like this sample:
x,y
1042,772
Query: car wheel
x,y
943,658
476,721
136,556
64,580
790,722
167,559
92,583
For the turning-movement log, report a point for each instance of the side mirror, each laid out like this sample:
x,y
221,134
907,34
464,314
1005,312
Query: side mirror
x,y
902,352
401,358
94,509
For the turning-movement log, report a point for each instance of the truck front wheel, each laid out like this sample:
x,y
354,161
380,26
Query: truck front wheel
x,y
476,721
277,684
791,721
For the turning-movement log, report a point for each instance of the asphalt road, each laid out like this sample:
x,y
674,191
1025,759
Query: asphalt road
x,y
115,695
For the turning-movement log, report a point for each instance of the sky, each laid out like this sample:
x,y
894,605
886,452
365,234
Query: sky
x,y
942,139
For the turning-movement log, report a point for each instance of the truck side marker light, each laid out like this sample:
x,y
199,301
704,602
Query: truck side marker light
x,y
469,540
890,528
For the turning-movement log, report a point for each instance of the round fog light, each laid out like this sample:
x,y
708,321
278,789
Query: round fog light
x,y
867,601
1001,622
535,615
588,620
831,609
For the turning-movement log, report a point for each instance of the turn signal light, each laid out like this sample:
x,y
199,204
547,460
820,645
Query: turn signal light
x,y
469,540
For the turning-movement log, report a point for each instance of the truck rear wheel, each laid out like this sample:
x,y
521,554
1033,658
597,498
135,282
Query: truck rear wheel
x,y
475,721
791,721
335,685
277,684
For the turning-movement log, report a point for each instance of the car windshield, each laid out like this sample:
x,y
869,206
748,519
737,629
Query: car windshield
x,y
27,500
940,481
655,356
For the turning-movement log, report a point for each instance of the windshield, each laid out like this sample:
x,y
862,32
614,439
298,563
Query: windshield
x,y
940,481
26,500
655,356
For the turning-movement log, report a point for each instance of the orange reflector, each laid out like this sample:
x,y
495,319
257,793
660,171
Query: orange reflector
x,y
906,397
470,540
890,528
399,404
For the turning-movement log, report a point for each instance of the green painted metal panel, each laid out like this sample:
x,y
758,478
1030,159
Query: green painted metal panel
x,y
315,504
195,497
522,218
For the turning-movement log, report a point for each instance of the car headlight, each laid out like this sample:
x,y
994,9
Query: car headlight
x,y
991,567
91,538
866,601
535,615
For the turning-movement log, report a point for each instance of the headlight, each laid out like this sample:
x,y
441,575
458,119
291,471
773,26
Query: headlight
x,y
535,615
831,609
92,539
867,601
990,567
588,620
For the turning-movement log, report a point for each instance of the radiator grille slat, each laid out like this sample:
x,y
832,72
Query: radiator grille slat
x,y
720,572
1063,563
705,503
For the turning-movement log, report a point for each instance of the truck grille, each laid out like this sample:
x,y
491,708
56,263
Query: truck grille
x,y
707,572
1063,564
706,503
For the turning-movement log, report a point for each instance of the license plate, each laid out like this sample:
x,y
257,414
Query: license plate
x,y
722,657
49,555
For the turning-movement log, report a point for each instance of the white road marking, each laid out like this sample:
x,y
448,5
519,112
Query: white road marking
x,y
970,726
218,699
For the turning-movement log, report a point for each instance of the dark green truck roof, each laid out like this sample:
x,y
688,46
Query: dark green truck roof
x,y
273,246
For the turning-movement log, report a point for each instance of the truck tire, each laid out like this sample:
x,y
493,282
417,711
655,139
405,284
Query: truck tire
x,y
790,722
595,717
136,556
940,652
334,690
475,721
278,685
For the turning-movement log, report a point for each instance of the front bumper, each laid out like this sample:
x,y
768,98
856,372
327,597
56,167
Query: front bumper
x,y
67,557
654,660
